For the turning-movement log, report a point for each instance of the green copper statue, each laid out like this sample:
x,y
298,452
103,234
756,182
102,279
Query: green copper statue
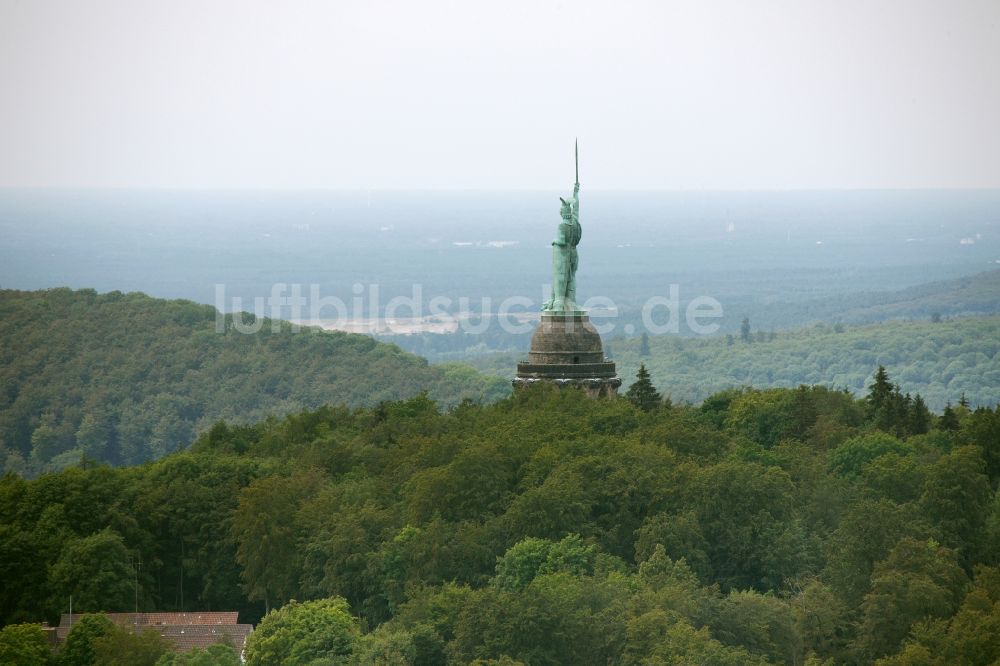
x,y
564,257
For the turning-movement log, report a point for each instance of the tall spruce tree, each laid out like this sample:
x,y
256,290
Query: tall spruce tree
x,y
642,393
948,420
919,418
880,393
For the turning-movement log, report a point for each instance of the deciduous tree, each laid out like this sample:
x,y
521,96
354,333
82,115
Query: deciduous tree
x,y
298,634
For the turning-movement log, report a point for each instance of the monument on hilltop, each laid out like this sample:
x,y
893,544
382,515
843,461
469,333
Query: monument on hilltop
x,y
566,349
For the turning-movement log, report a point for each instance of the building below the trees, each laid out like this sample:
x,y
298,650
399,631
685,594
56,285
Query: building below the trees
x,y
185,630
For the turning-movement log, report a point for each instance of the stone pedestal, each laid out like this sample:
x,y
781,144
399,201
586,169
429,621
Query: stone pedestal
x,y
566,350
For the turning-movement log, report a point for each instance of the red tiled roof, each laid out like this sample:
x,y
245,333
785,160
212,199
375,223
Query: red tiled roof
x,y
189,636
184,630
160,619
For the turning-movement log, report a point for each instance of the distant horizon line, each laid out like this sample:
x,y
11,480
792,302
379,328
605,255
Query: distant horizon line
x,y
283,189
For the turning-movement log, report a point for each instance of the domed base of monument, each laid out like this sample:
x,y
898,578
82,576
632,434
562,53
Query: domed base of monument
x,y
594,387
566,350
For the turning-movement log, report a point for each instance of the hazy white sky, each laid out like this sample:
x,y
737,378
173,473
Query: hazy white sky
x,y
464,94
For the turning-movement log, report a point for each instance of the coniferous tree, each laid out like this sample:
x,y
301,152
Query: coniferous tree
x,y
879,394
963,401
745,330
899,412
948,420
903,422
893,414
642,393
919,418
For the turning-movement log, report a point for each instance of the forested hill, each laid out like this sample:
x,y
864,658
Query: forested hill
x,y
977,294
969,295
766,300
125,377
940,360
785,526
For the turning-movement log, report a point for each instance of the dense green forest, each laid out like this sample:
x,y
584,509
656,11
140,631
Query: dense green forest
x,y
940,360
784,526
125,378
